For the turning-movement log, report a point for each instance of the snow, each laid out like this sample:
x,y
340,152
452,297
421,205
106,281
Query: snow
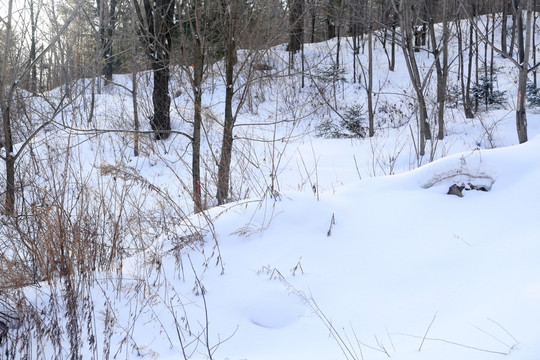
x,y
356,253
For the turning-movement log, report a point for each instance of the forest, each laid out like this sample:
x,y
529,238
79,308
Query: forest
x,y
143,141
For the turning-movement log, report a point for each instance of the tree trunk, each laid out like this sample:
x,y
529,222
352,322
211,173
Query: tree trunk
x,y
492,53
521,113
155,29
101,6
393,44
134,92
476,52
467,104
442,69
313,20
303,58
513,36
224,167
107,24
198,67
196,157
370,75
92,100
9,204
519,21
33,45
355,52
197,40
524,53
534,44
161,121
296,24
504,26
331,20
5,106
338,44
414,74
107,48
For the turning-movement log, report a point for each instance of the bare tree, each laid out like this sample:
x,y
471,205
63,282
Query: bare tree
x,y
12,72
441,67
407,16
229,10
241,24
196,37
369,87
522,61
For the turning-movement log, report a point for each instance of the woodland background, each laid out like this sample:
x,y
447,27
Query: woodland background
x,y
130,127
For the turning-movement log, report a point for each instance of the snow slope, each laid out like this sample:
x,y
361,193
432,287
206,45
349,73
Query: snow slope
x,y
386,266
339,262
404,268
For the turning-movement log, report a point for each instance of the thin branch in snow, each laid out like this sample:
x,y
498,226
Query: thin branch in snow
x,y
427,330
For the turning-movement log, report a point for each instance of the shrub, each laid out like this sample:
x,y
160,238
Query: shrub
x,y
483,91
393,114
533,95
351,125
329,130
330,74
453,97
353,121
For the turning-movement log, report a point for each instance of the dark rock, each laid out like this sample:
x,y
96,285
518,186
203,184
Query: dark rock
x,y
456,190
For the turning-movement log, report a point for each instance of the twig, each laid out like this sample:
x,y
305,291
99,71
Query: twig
x,y
381,346
415,146
506,331
491,336
297,267
390,338
351,345
359,343
332,223
316,171
206,327
356,165
429,327
454,343
333,332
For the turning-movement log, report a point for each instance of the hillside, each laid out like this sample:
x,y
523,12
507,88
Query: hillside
x,y
329,248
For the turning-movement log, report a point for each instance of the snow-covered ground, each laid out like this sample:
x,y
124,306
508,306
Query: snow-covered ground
x,y
358,253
